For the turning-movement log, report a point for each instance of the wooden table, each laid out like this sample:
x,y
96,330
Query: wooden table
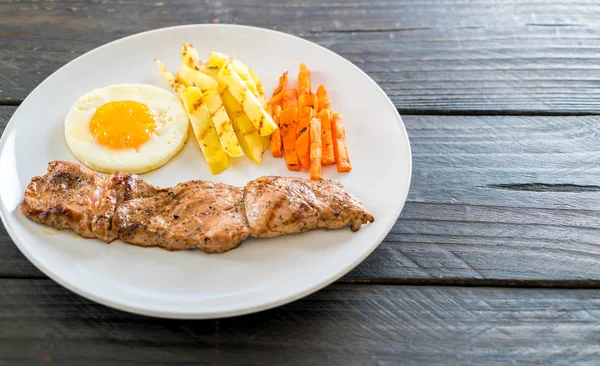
x,y
496,256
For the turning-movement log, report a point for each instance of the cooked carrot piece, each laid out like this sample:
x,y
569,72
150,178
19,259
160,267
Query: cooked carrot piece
x,y
289,99
326,137
339,144
304,80
276,144
323,98
276,102
309,100
302,136
315,148
279,90
287,124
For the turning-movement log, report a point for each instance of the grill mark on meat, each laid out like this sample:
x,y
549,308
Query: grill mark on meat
x,y
210,216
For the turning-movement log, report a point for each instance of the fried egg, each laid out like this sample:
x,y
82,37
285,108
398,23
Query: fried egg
x,y
130,128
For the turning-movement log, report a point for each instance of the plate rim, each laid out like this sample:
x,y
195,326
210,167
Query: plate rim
x,y
276,301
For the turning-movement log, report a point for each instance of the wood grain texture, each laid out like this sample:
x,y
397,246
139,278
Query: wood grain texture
x,y
341,325
498,197
443,56
506,199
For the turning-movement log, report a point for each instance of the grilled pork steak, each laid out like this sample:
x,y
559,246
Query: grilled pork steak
x,y
213,217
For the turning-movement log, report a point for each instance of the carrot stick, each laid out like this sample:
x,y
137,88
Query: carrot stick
x,y
287,123
289,102
302,136
315,148
326,131
278,92
323,98
339,144
309,100
328,157
276,102
304,80
276,143
308,104
289,99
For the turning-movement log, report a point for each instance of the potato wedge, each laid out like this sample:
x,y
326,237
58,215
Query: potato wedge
x,y
213,72
252,87
190,57
222,122
204,130
235,110
251,143
248,137
259,117
259,88
266,140
193,77
170,78
218,59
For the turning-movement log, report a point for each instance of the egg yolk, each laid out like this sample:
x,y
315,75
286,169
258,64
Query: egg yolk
x,y
122,124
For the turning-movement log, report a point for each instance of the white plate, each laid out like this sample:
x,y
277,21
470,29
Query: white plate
x,y
262,273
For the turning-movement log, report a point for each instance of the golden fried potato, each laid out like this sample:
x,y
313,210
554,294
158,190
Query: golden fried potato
x,y
204,130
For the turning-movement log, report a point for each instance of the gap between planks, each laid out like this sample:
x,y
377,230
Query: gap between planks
x,y
450,282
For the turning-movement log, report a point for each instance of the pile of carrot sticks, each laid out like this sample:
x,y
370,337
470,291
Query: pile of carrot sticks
x,y
310,134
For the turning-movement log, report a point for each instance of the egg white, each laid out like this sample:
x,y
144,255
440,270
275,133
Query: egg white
x,y
168,139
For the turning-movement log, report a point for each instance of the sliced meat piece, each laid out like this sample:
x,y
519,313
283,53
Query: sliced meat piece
x,y
120,187
195,214
69,196
283,205
338,208
64,198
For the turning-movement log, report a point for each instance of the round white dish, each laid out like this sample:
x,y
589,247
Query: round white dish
x,y
262,273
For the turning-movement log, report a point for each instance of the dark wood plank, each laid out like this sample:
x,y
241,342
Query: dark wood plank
x,y
440,55
511,200
497,197
341,325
